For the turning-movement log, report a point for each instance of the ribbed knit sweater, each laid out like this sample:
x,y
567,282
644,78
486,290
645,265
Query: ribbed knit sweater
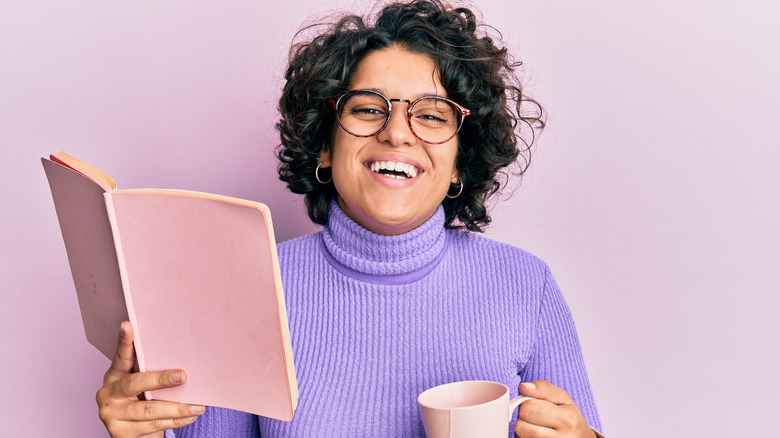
x,y
376,320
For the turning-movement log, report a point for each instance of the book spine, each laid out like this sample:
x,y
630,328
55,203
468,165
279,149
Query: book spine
x,y
120,255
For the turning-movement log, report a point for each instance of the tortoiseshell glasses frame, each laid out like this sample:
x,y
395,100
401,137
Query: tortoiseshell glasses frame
x,y
372,117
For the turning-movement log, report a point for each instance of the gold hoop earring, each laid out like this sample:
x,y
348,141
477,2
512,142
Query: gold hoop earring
x,y
317,175
460,190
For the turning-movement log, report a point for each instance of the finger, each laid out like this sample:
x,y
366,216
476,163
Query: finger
x,y
133,384
124,359
540,413
545,390
161,410
524,429
171,423
146,428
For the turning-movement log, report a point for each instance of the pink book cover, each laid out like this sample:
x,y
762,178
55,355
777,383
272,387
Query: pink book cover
x,y
198,277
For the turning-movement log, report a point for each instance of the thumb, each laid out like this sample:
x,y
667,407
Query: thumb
x,y
544,390
124,359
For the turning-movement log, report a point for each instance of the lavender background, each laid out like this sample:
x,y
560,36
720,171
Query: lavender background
x,y
653,194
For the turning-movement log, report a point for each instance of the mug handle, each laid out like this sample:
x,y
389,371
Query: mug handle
x,y
516,402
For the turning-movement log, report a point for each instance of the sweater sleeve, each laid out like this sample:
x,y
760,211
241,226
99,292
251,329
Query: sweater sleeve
x,y
221,422
556,354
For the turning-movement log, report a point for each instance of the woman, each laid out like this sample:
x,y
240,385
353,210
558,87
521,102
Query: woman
x,y
395,133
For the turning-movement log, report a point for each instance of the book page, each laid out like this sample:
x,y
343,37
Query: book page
x,y
101,178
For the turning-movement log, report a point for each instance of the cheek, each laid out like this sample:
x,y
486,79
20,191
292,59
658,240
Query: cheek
x,y
450,160
339,149
345,165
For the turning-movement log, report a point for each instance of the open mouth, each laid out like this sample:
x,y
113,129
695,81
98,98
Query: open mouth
x,y
394,169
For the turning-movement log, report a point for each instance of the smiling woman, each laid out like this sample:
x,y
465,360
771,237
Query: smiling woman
x,y
396,133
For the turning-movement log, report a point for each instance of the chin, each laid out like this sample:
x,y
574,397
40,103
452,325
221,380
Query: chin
x,y
393,221
385,215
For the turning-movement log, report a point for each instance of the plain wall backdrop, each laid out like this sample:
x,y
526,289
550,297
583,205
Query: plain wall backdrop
x,y
653,194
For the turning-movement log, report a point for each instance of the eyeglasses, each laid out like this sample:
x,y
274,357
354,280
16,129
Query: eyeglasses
x,y
432,119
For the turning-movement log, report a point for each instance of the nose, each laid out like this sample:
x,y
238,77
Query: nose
x,y
397,131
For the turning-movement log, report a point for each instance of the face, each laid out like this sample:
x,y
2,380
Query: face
x,y
381,200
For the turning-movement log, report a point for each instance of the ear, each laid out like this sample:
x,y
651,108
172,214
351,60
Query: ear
x,y
455,176
325,157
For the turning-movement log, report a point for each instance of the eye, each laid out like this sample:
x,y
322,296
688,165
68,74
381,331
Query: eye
x,y
431,117
433,113
364,106
367,111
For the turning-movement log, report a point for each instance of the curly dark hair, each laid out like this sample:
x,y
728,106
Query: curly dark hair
x,y
474,72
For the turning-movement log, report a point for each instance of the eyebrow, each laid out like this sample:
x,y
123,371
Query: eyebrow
x,y
417,96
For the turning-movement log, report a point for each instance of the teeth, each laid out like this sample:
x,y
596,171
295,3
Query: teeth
x,y
406,168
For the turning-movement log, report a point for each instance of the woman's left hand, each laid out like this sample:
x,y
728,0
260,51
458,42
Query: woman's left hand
x,y
552,414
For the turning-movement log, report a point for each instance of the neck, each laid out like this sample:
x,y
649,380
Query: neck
x,y
359,252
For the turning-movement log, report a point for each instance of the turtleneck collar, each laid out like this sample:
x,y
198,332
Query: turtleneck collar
x,y
367,256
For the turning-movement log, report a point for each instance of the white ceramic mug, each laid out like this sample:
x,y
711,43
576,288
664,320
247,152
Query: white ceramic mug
x,y
468,409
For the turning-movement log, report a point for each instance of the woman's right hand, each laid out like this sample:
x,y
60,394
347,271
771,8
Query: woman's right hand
x,y
120,409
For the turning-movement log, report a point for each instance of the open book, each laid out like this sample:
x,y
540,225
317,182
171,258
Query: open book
x,y
196,274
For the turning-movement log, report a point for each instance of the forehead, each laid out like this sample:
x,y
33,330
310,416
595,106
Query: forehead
x,y
398,73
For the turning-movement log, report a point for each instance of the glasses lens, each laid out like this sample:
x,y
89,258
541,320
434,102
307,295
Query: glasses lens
x,y
362,113
435,120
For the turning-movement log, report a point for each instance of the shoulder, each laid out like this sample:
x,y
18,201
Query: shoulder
x,y
299,259
298,247
503,272
478,248
498,263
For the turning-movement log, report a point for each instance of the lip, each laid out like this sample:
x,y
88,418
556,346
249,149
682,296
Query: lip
x,y
399,158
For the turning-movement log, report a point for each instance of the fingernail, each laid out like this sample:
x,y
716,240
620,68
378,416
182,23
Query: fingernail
x,y
177,377
197,409
529,385
190,419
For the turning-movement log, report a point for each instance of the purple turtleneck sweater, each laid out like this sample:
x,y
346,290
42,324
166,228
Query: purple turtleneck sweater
x,y
376,320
